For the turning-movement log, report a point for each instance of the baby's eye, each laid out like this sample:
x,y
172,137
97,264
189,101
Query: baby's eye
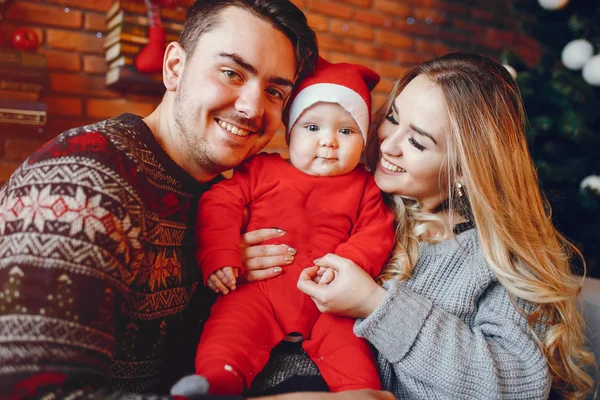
x,y
345,131
312,128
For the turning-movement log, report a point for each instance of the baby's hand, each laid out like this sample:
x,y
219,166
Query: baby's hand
x,y
223,280
324,276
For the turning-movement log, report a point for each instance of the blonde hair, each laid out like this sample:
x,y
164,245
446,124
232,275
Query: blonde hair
x,y
487,149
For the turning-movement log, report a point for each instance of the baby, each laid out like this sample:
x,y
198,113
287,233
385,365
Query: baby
x,y
326,202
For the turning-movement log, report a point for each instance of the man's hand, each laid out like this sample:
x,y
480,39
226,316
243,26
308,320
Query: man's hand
x,y
263,261
223,280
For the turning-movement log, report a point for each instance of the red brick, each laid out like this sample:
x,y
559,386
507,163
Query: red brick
x,y
393,7
331,8
45,15
328,42
317,22
97,5
452,8
385,86
452,36
109,108
432,48
393,39
373,19
359,3
94,64
81,84
75,41
389,71
374,51
481,15
63,106
426,14
419,3
62,60
349,58
94,22
419,28
410,58
19,149
351,29
471,28
6,170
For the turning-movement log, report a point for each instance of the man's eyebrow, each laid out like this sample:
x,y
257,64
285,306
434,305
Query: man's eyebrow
x,y
418,130
277,80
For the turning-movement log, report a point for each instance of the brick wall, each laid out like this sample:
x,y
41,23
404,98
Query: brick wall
x,y
386,35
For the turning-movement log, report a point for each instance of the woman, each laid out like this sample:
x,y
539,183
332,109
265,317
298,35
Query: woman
x,y
478,300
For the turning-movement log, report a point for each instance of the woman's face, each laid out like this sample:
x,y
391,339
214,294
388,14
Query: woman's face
x,y
412,141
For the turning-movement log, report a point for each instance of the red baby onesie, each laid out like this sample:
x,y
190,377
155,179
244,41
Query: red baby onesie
x,y
343,214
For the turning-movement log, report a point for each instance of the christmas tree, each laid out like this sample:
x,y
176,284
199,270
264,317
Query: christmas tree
x,y
563,108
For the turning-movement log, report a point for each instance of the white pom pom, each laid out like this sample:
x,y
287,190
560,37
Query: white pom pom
x,y
511,70
591,71
592,182
576,53
553,4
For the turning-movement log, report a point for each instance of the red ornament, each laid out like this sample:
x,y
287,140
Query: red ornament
x,y
25,39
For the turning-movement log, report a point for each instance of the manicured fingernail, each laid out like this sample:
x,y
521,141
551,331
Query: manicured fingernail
x,y
288,258
291,250
276,270
278,230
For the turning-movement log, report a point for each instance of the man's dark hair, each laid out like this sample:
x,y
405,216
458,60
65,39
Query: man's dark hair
x,y
203,16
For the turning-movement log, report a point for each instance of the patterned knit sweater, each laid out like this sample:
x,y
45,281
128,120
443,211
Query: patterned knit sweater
x,y
452,332
98,281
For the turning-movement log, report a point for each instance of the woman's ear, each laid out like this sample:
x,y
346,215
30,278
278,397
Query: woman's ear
x,y
173,65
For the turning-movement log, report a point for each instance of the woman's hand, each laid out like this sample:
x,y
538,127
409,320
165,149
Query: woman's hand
x,y
351,293
263,261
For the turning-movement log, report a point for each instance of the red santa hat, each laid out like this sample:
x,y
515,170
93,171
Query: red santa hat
x,y
348,85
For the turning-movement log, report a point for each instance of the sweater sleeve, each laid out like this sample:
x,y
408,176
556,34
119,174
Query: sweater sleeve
x,y
372,236
67,253
220,218
496,358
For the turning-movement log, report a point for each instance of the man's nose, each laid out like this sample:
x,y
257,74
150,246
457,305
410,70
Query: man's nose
x,y
250,101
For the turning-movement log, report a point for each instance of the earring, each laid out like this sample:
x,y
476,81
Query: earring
x,y
459,189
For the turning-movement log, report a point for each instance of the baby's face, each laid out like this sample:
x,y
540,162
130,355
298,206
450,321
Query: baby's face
x,y
325,141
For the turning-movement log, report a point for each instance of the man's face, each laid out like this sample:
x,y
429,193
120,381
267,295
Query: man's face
x,y
231,94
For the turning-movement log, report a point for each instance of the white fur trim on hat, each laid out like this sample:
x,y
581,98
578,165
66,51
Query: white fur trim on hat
x,y
331,93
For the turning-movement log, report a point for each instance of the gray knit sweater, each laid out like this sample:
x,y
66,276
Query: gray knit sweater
x,y
452,332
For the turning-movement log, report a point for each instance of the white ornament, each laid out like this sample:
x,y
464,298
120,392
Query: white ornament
x,y
591,71
511,70
576,53
553,4
592,182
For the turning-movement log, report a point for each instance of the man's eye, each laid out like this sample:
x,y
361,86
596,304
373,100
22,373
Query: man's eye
x,y
231,74
275,93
